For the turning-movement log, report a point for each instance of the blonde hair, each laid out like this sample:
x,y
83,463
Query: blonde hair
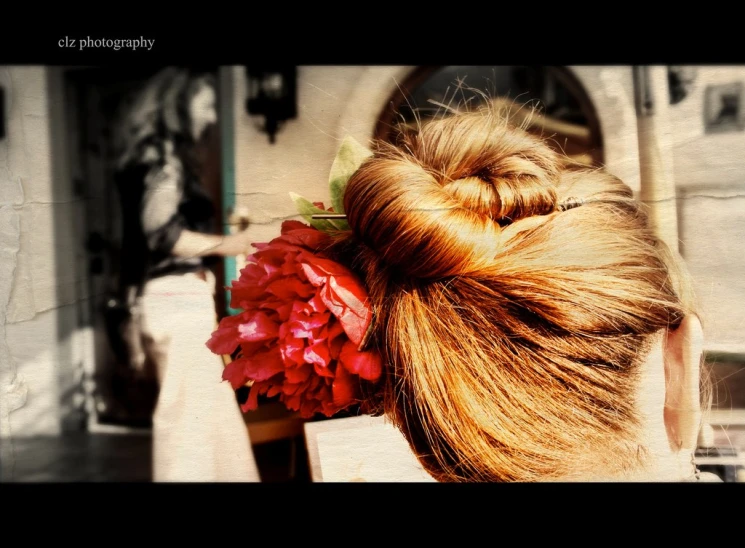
x,y
512,331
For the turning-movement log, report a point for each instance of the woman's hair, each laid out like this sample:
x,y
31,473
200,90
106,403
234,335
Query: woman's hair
x,y
158,112
512,322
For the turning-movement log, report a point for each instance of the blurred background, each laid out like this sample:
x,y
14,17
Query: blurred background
x,y
70,410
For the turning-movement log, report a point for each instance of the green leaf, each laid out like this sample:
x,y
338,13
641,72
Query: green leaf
x,y
307,209
349,158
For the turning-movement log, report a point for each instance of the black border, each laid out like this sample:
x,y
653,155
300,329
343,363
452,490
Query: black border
x,y
374,35
533,36
221,496
363,514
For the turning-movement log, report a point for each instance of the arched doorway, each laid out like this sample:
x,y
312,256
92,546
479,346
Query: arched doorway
x,y
564,113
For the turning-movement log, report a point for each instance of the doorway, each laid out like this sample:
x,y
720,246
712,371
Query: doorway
x,y
548,101
116,396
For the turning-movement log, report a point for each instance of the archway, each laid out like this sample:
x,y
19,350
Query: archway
x,y
564,112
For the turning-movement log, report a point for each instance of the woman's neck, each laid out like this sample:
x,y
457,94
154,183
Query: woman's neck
x,y
662,461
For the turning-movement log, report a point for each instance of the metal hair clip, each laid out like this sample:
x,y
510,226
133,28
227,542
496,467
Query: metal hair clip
x,y
571,203
328,216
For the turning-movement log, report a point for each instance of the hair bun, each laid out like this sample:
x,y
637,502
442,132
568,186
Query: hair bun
x,y
433,207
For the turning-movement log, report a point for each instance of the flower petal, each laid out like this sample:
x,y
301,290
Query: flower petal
x,y
225,338
308,408
318,353
368,365
264,365
233,372
253,397
336,338
315,276
290,288
305,236
282,308
288,226
321,266
347,300
274,390
299,374
343,388
322,370
259,328
309,321
316,303
292,351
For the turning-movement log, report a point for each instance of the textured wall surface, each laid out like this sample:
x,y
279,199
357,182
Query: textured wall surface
x,y
38,245
332,102
710,179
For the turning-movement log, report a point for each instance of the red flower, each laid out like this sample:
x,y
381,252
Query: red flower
x,y
303,318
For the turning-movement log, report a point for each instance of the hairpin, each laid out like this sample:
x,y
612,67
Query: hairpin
x,y
571,203
328,216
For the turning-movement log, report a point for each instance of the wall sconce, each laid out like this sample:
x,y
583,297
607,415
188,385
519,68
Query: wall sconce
x,y
680,81
272,93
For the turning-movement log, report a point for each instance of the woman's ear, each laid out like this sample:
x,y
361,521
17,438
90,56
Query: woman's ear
x,y
683,349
